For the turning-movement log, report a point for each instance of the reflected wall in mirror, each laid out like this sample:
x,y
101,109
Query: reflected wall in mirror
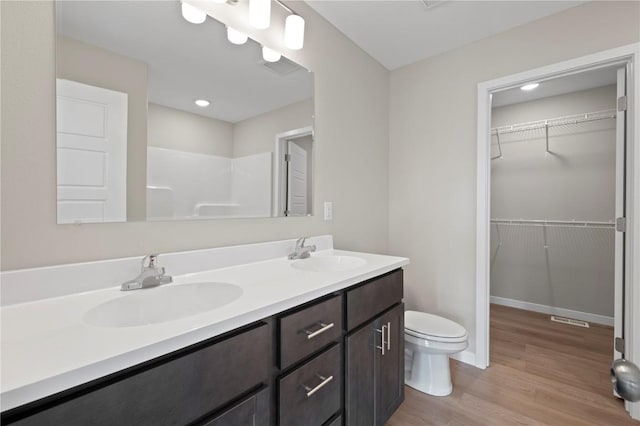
x,y
132,144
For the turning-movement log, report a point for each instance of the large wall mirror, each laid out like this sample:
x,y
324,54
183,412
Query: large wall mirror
x,y
160,119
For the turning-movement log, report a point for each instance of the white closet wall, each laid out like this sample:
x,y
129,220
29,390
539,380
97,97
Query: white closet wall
x,y
555,266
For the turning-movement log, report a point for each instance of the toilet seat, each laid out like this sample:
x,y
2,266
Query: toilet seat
x,y
433,327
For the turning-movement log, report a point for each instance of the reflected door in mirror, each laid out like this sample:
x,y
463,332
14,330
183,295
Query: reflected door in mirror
x,y
91,153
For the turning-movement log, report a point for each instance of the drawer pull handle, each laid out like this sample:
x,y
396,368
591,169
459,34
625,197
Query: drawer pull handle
x,y
324,381
383,343
388,336
312,334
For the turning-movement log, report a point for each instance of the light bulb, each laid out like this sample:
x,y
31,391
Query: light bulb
x,y
235,36
260,13
530,86
270,55
294,32
203,103
193,14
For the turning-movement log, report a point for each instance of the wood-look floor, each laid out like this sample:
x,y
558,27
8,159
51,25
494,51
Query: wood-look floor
x,y
541,373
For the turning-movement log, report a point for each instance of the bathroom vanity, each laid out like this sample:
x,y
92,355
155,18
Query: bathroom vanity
x,y
329,352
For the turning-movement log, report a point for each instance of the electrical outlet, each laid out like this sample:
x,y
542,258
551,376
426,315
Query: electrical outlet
x,y
328,210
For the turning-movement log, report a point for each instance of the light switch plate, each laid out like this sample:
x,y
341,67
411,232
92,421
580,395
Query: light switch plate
x,y
328,210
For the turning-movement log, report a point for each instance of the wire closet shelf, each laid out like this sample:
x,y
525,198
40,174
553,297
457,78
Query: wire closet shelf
x,y
556,223
547,124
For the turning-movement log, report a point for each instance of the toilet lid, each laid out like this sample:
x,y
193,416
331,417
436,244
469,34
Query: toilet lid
x,y
432,325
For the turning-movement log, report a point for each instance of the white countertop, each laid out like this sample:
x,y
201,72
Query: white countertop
x,y
47,347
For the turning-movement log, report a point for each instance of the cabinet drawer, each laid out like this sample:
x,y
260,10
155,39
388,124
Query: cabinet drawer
x,y
253,411
368,300
311,394
304,332
176,392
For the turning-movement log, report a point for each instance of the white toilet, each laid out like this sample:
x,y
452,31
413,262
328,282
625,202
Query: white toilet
x,y
429,340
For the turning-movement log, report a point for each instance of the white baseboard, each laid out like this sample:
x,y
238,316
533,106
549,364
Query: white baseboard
x,y
544,309
465,356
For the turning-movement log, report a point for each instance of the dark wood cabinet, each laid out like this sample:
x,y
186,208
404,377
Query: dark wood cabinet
x,y
390,369
318,364
374,369
360,354
252,411
309,329
369,299
310,395
176,391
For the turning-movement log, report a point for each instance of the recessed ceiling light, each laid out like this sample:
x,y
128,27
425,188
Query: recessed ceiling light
x,y
529,86
203,103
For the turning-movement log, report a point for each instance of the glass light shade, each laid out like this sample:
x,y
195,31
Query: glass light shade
x,y
235,36
270,55
260,13
294,32
193,14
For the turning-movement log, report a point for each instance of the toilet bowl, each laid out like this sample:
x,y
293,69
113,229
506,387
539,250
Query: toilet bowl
x,y
429,340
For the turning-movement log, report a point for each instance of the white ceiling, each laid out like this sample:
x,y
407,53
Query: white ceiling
x,y
185,61
557,86
401,32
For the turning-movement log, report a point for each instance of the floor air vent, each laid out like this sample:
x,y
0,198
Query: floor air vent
x,y
570,321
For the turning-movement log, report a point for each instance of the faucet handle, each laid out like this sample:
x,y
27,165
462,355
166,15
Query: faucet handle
x,y
152,261
300,242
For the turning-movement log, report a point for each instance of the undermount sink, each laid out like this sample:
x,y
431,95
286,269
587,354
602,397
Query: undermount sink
x,y
161,304
328,263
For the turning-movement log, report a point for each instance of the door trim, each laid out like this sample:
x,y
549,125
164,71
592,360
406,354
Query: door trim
x,y
621,55
280,168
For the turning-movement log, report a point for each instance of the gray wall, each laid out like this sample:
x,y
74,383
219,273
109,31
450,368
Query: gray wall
x,y
258,134
185,131
576,181
351,108
433,110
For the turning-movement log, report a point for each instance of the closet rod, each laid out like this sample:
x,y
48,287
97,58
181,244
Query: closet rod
x,y
572,223
553,122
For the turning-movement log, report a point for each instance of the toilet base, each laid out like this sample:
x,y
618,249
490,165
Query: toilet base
x,y
429,373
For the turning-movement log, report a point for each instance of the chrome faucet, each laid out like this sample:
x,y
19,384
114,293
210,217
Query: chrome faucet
x,y
150,276
302,251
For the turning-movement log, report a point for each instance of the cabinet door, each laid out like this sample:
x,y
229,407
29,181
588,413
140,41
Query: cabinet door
x,y
176,392
390,366
253,411
360,376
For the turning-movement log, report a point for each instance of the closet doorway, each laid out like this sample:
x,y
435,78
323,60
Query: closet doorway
x,y
556,172
555,272
553,198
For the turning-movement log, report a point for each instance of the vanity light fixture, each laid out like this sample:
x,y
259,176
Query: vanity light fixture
x,y
530,86
260,13
193,14
293,28
294,32
202,103
235,36
259,17
270,55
